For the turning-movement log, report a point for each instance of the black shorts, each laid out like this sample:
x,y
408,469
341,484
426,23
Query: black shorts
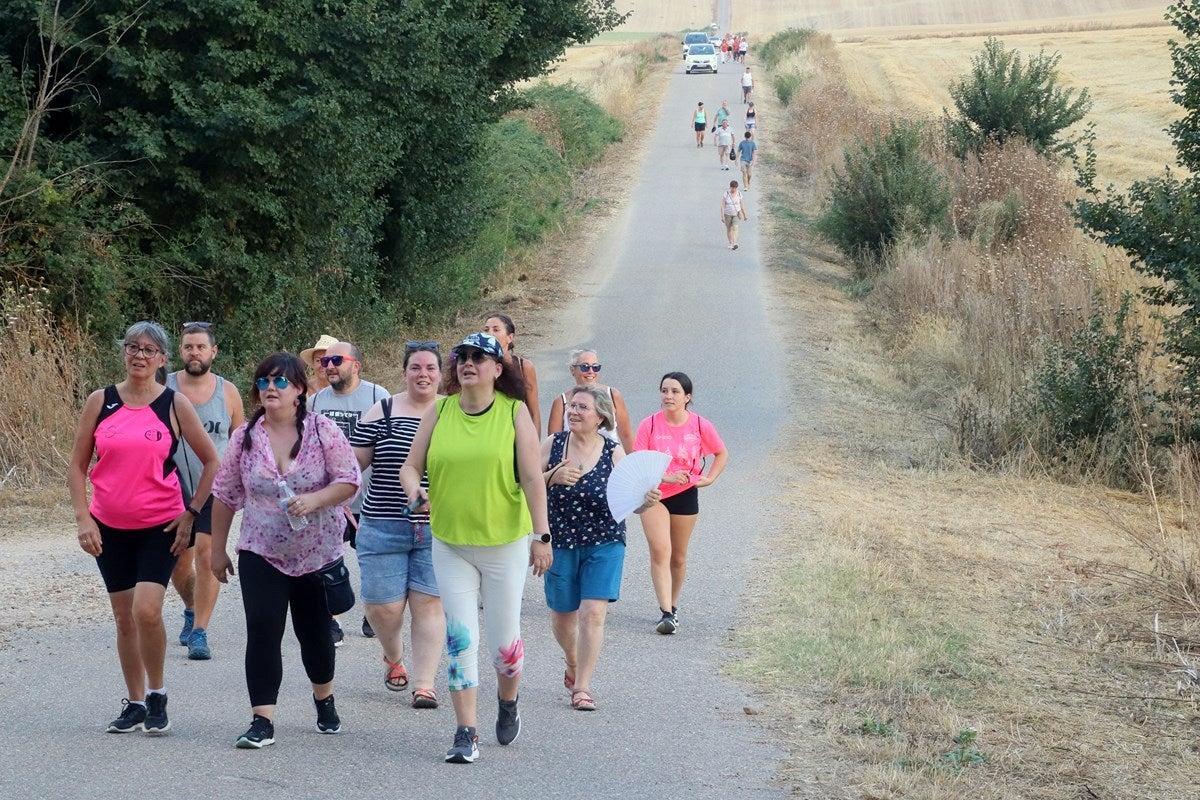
x,y
700,126
202,523
130,557
350,535
684,504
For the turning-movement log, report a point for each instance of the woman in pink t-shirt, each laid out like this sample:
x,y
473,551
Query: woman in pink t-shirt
x,y
688,438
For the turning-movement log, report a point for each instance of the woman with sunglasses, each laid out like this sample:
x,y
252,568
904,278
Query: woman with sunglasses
x,y
585,369
501,328
290,471
395,547
485,496
136,525
688,438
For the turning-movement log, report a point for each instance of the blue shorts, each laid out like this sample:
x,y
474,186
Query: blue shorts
x,y
584,573
394,556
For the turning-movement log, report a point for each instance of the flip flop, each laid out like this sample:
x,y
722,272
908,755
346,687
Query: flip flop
x,y
424,698
581,700
396,677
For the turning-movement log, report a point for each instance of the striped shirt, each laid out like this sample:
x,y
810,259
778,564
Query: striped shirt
x,y
385,497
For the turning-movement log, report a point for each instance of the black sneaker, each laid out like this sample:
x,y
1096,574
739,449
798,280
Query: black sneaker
x,y
335,629
156,723
508,721
367,630
675,616
131,718
466,746
667,625
261,734
328,720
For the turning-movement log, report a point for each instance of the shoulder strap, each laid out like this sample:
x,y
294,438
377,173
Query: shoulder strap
x,y
385,405
112,403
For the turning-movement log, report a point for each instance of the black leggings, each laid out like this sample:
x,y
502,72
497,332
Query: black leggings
x,y
266,594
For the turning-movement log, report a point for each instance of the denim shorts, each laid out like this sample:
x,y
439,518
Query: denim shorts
x,y
584,573
394,556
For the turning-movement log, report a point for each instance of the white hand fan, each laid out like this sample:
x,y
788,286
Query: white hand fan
x,y
631,478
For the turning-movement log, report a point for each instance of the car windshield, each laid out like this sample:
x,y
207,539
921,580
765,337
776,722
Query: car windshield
x,y
695,38
701,50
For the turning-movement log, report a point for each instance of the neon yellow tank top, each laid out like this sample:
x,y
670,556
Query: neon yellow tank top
x,y
474,495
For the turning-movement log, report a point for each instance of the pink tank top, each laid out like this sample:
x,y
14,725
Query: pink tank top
x,y
134,481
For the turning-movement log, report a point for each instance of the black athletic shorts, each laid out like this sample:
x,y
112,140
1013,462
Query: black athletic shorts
x,y
202,523
350,535
684,504
130,557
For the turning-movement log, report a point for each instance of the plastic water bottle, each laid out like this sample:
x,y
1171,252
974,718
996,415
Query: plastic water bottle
x,y
285,494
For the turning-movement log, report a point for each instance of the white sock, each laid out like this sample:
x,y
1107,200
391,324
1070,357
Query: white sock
x,y
141,703
163,692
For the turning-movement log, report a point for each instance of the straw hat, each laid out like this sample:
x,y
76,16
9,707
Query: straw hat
x,y
324,343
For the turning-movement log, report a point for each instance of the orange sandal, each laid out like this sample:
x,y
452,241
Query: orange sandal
x,y
396,678
424,698
581,700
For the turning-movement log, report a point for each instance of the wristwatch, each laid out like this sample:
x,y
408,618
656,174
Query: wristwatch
x,y
544,538
193,511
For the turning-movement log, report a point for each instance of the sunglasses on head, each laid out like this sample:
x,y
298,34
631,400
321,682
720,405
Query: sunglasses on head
x,y
419,345
280,381
474,356
587,367
204,326
335,360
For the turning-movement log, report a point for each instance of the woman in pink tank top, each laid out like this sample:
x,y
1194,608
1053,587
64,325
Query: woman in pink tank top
x,y
136,525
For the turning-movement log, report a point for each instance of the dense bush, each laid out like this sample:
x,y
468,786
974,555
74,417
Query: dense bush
x,y
886,188
1004,96
783,44
785,85
582,127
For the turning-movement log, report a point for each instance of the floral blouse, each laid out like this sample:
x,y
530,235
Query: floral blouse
x,y
248,480
579,515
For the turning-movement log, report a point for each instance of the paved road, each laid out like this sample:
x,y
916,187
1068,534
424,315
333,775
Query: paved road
x,y
665,295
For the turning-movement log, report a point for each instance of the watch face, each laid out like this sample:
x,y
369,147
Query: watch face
x,y
545,537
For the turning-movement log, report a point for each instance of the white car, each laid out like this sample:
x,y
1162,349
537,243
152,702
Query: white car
x,y
701,58
696,37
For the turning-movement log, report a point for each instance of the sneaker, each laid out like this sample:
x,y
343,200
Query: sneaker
x,y
156,723
508,722
667,625
367,630
261,734
328,720
198,646
735,247
466,746
189,620
131,718
675,609
335,629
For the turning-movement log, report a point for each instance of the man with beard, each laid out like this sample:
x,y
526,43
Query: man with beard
x,y
219,405
344,400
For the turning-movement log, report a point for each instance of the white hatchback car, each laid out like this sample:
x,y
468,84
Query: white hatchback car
x,y
695,37
701,58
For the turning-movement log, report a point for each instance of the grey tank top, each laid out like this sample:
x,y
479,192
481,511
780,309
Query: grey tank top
x,y
214,416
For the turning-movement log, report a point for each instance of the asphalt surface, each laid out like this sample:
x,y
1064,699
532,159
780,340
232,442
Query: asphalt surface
x,y
665,294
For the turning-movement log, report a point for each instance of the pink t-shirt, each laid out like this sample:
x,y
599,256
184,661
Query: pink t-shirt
x,y
134,481
248,480
687,444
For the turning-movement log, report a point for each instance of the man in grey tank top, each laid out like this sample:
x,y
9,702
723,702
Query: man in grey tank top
x,y
219,405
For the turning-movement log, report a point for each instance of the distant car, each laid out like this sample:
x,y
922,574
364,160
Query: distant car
x,y
715,41
700,58
695,37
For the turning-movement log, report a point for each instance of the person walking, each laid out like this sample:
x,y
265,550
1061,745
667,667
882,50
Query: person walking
x,y
395,546
585,369
724,139
485,497
751,117
344,400
688,438
747,85
290,472
137,524
743,47
733,210
311,357
722,113
589,545
220,408
747,155
501,327
699,122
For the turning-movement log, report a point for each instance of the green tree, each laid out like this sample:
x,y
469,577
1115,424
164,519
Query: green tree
x,y
1006,95
1157,219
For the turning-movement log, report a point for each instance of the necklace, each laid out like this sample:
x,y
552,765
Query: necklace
x,y
592,451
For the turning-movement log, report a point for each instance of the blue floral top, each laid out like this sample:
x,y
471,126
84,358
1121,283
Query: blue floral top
x,y
579,515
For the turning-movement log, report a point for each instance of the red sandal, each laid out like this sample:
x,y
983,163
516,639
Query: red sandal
x,y
581,700
568,679
396,677
424,698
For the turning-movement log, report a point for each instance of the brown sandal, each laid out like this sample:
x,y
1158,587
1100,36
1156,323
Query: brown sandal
x,y
581,700
424,698
396,677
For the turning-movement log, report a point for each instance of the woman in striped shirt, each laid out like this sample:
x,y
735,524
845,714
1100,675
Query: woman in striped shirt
x,y
394,545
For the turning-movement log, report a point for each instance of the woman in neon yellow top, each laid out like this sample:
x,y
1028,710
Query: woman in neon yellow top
x,y
486,495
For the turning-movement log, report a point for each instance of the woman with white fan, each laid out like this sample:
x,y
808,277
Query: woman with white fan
x,y
589,544
688,439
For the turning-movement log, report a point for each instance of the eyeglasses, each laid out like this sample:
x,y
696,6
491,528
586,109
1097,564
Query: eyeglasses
x,y
587,367
579,407
280,381
132,349
204,326
419,345
474,356
335,360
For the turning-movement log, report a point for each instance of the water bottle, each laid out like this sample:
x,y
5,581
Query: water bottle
x,y
285,494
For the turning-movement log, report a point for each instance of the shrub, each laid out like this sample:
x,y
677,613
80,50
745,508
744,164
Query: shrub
x,y
783,44
577,122
1004,96
885,189
785,85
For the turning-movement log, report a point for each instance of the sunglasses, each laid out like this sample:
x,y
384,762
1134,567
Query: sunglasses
x,y
280,381
132,349
587,367
335,360
204,326
474,356
419,345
